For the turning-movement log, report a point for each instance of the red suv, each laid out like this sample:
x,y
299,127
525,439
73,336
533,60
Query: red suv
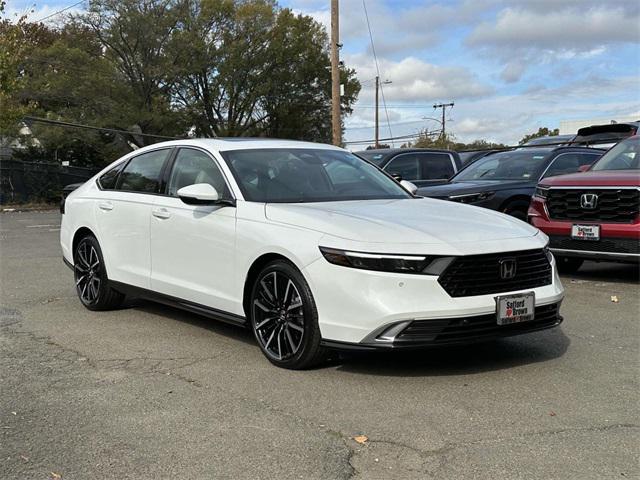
x,y
593,215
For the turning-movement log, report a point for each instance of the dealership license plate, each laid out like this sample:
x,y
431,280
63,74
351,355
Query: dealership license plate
x,y
515,308
585,232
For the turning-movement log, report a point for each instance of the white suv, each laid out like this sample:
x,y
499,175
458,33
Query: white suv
x,y
308,245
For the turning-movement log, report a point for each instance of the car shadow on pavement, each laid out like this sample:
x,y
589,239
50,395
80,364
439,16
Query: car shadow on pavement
x,y
458,360
217,326
606,272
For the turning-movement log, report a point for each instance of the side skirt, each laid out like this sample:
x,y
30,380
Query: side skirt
x,y
179,303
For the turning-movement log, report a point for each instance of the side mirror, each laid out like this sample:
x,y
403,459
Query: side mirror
x,y
199,194
409,187
584,168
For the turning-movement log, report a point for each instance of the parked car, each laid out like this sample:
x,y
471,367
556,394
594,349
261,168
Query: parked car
x,y
505,181
308,245
607,135
556,140
420,166
593,215
470,156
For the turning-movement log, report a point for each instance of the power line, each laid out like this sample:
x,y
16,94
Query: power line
x,y
60,123
60,11
375,57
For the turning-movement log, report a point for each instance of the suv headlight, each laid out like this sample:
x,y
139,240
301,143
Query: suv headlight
x,y
382,262
542,192
471,197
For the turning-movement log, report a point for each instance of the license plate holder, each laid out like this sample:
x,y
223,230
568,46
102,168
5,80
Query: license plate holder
x,y
585,232
516,308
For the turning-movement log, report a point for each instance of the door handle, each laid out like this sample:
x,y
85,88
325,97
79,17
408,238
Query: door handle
x,y
106,206
161,213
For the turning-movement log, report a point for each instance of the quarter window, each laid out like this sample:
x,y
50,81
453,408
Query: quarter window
x,y
142,173
108,180
436,166
193,166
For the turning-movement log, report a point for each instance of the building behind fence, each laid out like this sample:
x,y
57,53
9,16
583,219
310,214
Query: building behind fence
x,y
34,181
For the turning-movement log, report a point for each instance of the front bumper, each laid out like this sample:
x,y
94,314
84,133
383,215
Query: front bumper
x,y
355,306
618,242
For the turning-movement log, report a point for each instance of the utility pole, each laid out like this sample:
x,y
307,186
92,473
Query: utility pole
x,y
443,106
386,82
336,123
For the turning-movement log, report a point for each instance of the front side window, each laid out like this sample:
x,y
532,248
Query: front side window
x,y
283,175
406,165
569,163
142,173
194,166
436,166
624,156
512,165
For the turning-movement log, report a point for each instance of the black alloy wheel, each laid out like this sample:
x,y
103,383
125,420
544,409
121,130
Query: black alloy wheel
x,y
284,317
91,277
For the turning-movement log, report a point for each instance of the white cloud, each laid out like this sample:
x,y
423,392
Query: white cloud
x,y
42,11
414,80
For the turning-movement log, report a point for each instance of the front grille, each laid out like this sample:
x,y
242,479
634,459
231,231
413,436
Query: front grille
x,y
460,330
480,274
613,205
611,245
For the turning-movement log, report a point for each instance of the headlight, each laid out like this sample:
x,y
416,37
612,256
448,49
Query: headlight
x,y
416,264
471,197
548,253
542,192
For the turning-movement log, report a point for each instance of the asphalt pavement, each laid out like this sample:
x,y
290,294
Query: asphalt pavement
x,y
150,392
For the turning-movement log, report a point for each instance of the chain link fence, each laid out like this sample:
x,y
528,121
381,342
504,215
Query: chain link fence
x,y
22,182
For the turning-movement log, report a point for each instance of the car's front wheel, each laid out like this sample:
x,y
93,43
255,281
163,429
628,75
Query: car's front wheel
x,y
91,279
284,318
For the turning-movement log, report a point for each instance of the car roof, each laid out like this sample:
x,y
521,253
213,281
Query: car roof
x,y
241,143
394,151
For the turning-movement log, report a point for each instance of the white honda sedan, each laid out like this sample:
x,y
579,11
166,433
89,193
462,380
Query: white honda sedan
x,y
306,244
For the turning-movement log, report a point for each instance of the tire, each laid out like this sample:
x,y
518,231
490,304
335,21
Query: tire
x,y
284,318
519,214
568,264
90,274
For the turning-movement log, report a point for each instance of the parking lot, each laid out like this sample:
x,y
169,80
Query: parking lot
x,y
152,392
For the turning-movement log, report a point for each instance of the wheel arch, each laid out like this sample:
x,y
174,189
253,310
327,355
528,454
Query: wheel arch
x,y
79,234
516,202
255,268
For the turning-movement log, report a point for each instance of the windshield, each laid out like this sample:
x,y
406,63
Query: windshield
x,y
283,175
624,156
513,165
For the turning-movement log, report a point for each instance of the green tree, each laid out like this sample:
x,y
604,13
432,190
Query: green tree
x,y
435,140
542,132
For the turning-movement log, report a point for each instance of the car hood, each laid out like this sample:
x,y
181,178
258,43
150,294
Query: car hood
x,y
476,186
614,178
406,221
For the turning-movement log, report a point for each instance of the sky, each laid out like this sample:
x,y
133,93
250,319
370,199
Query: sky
x,y
509,66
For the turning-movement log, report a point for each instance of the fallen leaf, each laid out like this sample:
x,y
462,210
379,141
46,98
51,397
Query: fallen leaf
x,y
14,413
26,459
552,413
55,476
614,298
361,439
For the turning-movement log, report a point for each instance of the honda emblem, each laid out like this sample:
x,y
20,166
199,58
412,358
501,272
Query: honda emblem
x,y
589,201
507,268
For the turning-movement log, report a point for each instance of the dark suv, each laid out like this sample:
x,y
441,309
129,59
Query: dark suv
x,y
421,166
505,181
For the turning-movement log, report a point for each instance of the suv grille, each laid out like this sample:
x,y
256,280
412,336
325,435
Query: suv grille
x,y
612,245
480,327
613,205
480,274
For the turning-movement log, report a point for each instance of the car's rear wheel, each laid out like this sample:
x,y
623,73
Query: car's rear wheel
x,y
568,264
284,318
91,279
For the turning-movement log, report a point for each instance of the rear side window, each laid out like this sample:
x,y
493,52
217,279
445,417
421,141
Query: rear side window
x,y
436,166
142,173
108,180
